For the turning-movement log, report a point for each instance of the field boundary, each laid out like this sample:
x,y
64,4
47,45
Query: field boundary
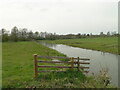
x,y
73,61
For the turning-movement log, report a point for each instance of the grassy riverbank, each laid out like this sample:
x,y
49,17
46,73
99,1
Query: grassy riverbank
x,y
18,61
105,44
17,69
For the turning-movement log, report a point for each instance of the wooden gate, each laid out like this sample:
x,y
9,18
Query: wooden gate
x,y
72,61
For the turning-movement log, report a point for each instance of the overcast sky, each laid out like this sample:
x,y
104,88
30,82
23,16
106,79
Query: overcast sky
x,y
60,16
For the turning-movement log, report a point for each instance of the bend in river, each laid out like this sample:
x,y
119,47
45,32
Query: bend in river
x,y
98,59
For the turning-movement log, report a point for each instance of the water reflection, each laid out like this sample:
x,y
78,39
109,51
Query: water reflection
x,y
98,60
46,44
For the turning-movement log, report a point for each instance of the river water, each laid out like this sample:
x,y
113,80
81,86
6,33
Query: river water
x,y
98,59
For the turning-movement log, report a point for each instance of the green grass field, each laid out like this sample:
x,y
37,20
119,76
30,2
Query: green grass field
x,y
17,69
105,44
18,61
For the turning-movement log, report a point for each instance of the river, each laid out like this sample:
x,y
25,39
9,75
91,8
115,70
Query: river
x,y
98,59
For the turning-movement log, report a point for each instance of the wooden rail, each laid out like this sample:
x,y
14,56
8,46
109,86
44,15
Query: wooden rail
x,y
71,62
75,62
62,57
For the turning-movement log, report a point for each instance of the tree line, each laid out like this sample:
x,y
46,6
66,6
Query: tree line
x,y
25,35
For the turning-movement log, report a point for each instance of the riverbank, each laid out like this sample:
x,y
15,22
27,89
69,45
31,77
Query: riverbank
x,y
18,68
104,44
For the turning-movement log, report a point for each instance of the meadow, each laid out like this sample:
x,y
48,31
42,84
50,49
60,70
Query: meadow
x,y
17,61
105,44
18,66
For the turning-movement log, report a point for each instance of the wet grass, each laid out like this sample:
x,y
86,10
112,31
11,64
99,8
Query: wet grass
x,y
105,44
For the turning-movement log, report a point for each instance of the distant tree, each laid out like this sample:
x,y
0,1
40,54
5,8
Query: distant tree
x,y
78,35
30,35
5,36
83,35
23,34
36,35
88,34
14,34
3,31
108,33
42,34
70,36
101,33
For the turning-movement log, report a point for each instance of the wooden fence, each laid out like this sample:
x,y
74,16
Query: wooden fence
x,y
72,63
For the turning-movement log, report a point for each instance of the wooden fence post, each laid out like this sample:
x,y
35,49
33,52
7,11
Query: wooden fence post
x,y
35,66
72,63
78,64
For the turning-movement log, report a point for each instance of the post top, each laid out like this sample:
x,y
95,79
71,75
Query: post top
x,y
35,54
